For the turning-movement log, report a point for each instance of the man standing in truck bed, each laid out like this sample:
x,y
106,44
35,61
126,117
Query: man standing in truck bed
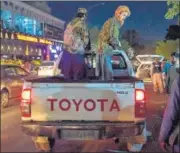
x,y
76,40
109,39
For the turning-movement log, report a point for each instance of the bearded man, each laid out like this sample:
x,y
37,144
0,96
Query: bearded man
x,y
108,41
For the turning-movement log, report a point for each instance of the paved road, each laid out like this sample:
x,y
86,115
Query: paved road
x,y
12,140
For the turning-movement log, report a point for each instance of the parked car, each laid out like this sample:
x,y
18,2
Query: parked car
x,y
143,70
48,68
12,78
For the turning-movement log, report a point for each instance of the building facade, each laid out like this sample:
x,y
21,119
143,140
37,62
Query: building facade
x,y
27,31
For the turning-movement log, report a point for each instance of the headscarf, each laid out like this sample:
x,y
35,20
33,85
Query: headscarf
x,y
119,11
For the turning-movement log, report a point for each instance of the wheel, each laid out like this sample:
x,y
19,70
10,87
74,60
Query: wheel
x,y
51,142
4,99
136,143
44,144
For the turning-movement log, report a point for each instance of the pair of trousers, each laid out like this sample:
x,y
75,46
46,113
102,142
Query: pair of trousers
x,y
157,82
73,66
104,66
164,80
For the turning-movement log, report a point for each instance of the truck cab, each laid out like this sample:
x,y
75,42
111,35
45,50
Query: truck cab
x,y
120,63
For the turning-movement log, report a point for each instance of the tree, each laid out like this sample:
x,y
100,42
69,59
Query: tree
x,y
127,48
173,10
125,45
138,49
173,32
132,36
165,48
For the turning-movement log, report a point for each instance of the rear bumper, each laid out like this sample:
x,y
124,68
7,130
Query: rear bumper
x,y
106,130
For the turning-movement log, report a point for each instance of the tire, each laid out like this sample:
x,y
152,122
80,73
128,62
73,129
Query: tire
x,y
51,142
136,143
4,99
44,144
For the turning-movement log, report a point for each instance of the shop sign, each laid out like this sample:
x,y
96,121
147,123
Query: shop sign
x,y
33,39
44,41
27,38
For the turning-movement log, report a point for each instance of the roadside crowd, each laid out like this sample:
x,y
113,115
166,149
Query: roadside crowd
x,y
164,73
166,79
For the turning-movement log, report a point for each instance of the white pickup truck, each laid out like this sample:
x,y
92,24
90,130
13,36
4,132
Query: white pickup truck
x,y
91,109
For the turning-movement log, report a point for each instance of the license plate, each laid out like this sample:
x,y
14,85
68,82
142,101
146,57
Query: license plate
x,y
79,134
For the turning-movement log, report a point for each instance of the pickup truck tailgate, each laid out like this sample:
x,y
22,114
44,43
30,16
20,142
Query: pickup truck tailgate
x,y
83,101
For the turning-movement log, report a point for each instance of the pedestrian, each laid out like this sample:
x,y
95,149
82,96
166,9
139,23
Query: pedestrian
x,y
170,127
168,64
163,73
76,40
171,73
108,41
156,73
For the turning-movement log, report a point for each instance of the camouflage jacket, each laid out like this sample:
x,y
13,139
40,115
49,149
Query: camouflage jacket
x,y
76,36
109,36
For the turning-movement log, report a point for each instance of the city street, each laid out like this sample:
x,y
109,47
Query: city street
x,y
48,47
13,140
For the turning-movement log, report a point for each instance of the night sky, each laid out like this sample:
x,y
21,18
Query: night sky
x,y
147,17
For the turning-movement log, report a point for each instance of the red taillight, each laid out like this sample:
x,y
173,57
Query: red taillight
x,y
140,103
26,103
140,95
26,94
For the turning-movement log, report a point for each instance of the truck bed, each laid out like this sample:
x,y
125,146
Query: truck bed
x,y
58,79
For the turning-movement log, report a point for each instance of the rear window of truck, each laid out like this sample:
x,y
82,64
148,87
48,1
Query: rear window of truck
x,y
118,62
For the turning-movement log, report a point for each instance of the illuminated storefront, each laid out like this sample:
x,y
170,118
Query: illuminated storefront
x,y
20,45
6,18
20,23
27,31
